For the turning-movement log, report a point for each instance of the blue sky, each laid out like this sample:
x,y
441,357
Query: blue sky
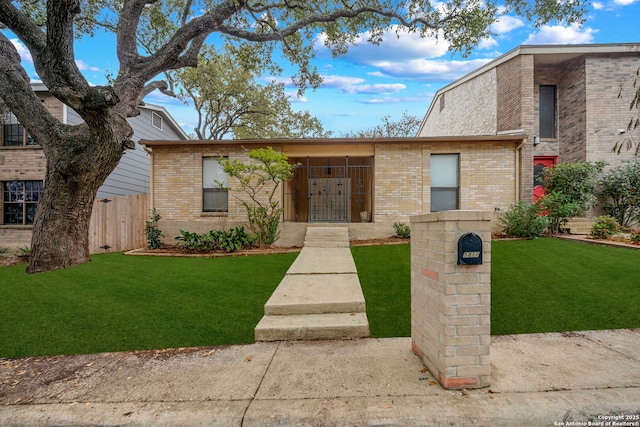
x,y
401,74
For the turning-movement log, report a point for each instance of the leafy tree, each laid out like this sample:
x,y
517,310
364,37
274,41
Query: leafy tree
x,y
406,126
228,100
570,189
154,37
621,187
260,181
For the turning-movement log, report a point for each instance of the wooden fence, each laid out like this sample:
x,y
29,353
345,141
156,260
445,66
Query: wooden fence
x,y
117,223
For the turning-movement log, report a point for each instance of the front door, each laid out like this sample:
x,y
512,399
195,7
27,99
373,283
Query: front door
x,y
540,163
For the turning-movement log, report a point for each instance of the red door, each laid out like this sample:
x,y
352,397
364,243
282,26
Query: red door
x,y
540,163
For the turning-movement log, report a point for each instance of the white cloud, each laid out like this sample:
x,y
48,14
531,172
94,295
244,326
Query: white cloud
x,y
556,34
487,43
624,2
375,88
293,97
506,23
597,5
24,53
83,66
404,45
430,70
401,100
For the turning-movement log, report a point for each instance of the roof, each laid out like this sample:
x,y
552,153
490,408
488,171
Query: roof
x,y
516,137
545,54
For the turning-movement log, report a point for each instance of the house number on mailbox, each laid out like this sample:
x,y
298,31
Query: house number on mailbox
x,y
469,249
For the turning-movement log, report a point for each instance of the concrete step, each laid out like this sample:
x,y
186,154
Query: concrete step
x,y
323,261
579,225
327,237
312,327
316,294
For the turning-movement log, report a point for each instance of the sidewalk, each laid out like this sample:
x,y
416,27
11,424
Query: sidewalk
x,y
537,380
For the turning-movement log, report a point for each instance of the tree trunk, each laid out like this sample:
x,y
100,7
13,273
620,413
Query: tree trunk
x,y
77,165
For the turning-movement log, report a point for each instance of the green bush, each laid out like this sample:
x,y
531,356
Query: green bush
x,y
635,236
604,227
524,220
570,190
402,230
621,187
216,240
151,230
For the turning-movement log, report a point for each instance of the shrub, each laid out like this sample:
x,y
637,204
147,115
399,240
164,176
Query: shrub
x,y
570,190
604,227
151,230
635,236
524,220
621,186
215,240
402,230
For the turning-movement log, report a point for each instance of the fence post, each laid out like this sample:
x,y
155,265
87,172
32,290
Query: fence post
x,y
451,302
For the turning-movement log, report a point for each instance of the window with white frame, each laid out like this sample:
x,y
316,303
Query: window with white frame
x,y
445,187
215,186
20,201
156,120
13,133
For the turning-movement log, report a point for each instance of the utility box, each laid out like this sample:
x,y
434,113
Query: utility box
x,y
469,249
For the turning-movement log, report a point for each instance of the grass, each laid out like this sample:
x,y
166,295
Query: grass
x,y
542,285
118,303
384,273
552,285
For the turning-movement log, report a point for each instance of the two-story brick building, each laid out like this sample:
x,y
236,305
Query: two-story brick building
x,y
22,165
572,100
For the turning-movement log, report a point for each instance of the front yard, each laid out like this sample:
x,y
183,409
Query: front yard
x,y
118,303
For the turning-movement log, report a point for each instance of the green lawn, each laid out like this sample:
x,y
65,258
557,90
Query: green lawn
x,y
542,285
118,302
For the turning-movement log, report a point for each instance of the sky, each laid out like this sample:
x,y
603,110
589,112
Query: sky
x,y
399,75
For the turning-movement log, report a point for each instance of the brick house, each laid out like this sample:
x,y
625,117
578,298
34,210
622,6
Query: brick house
x,y
365,184
22,165
572,100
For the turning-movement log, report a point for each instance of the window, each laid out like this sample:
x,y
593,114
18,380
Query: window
x,y
215,186
156,120
14,134
547,111
20,201
444,182
442,102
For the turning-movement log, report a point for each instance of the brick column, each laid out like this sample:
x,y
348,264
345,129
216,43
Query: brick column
x,y
451,303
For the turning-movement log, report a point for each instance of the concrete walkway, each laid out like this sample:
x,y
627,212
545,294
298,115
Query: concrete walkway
x,y
537,380
320,297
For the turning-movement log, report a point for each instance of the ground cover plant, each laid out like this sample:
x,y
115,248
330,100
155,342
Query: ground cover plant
x,y
118,303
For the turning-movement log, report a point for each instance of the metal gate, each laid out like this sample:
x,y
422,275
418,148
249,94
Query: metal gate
x,y
329,194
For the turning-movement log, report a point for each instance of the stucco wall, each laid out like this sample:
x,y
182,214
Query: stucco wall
x,y
467,109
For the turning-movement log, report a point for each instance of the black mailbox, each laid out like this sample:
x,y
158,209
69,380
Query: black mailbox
x,y
469,249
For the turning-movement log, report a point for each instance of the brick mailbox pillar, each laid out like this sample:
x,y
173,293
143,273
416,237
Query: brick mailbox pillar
x,y
451,298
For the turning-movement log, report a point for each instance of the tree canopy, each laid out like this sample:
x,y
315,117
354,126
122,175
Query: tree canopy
x,y
154,37
406,126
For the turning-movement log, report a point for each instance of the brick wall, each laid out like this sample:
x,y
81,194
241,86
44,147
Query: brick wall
x,y
177,189
509,93
469,108
609,82
450,303
572,117
402,177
